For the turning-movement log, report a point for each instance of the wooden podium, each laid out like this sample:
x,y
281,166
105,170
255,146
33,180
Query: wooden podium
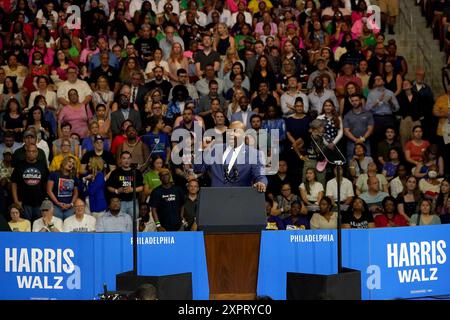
x,y
232,261
232,220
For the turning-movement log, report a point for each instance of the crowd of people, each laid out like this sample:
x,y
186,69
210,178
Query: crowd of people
x,y
92,93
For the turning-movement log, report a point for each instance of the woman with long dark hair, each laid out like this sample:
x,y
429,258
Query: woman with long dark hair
x,y
358,216
263,73
36,118
325,218
13,120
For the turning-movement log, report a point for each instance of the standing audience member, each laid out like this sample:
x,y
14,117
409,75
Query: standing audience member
x,y
79,222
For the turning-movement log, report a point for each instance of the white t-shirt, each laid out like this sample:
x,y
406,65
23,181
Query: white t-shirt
x,y
72,224
346,189
39,224
81,86
315,188
319,222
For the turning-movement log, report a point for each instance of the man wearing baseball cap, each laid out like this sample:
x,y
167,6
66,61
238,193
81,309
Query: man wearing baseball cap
x,y
99,151
29,138
48,223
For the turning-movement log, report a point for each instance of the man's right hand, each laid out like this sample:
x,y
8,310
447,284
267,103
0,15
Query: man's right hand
x,y
160,229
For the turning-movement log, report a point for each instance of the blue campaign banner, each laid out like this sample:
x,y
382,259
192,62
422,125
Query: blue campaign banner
x,y
405,262
158,254
76,266
293,251
46,266
408,262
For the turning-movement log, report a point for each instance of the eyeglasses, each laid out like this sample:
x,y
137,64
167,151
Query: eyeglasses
x,y
286,189
80,206
65,145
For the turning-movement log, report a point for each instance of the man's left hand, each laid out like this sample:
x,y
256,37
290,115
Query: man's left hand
x,y
261,187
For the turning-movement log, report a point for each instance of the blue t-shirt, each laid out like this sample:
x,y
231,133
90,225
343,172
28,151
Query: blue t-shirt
x,y
88,144
63,186
157,143
301,222
390,168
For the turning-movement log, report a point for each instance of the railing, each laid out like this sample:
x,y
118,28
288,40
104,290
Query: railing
x,y
424,57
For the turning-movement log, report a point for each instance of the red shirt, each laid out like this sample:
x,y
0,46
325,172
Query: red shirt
x,y
415,151
398,220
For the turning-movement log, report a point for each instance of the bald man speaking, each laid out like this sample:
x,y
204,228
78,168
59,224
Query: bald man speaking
x,y
233,164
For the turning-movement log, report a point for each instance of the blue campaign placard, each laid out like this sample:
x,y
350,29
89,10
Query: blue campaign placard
x,y
50,266
76,266
412,261
355,255
172,248
305,251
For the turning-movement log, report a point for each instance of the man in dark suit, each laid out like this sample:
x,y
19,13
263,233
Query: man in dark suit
x,y
138,90
124,113
245,114
234,164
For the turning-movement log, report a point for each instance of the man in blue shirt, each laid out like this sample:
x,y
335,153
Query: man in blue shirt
x,y
383,104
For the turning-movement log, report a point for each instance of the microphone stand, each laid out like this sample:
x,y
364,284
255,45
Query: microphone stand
x,y
338,163
134,224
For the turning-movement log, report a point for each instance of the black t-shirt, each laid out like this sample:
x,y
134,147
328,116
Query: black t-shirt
x,y
111,74
31,179
165,87
146,47
107,157
168,203
121,178
361,223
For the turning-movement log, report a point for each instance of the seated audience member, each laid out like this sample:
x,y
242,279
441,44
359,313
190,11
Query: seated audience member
x,y
325,218
397,184
360,161
311,191
285,201
17,223
425,216
274,222
79,222
114,220
373,196
408,200
390,216
390,167
361,182
299,219
47,223
431,184
358,216
441,202
347,193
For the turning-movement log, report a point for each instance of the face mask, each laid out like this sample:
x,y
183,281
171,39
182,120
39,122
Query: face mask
x,y
432,174
37,61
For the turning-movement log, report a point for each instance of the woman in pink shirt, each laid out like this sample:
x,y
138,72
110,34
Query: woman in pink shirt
x,y
76,113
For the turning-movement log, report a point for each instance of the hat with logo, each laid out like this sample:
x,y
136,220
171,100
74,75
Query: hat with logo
x,y
46,205
98,137
7,150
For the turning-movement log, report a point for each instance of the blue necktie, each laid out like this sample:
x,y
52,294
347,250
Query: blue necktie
x,y
228,159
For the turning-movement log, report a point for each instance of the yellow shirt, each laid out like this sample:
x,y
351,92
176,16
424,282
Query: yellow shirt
x,y
440,110
56,163
21,226
253,5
